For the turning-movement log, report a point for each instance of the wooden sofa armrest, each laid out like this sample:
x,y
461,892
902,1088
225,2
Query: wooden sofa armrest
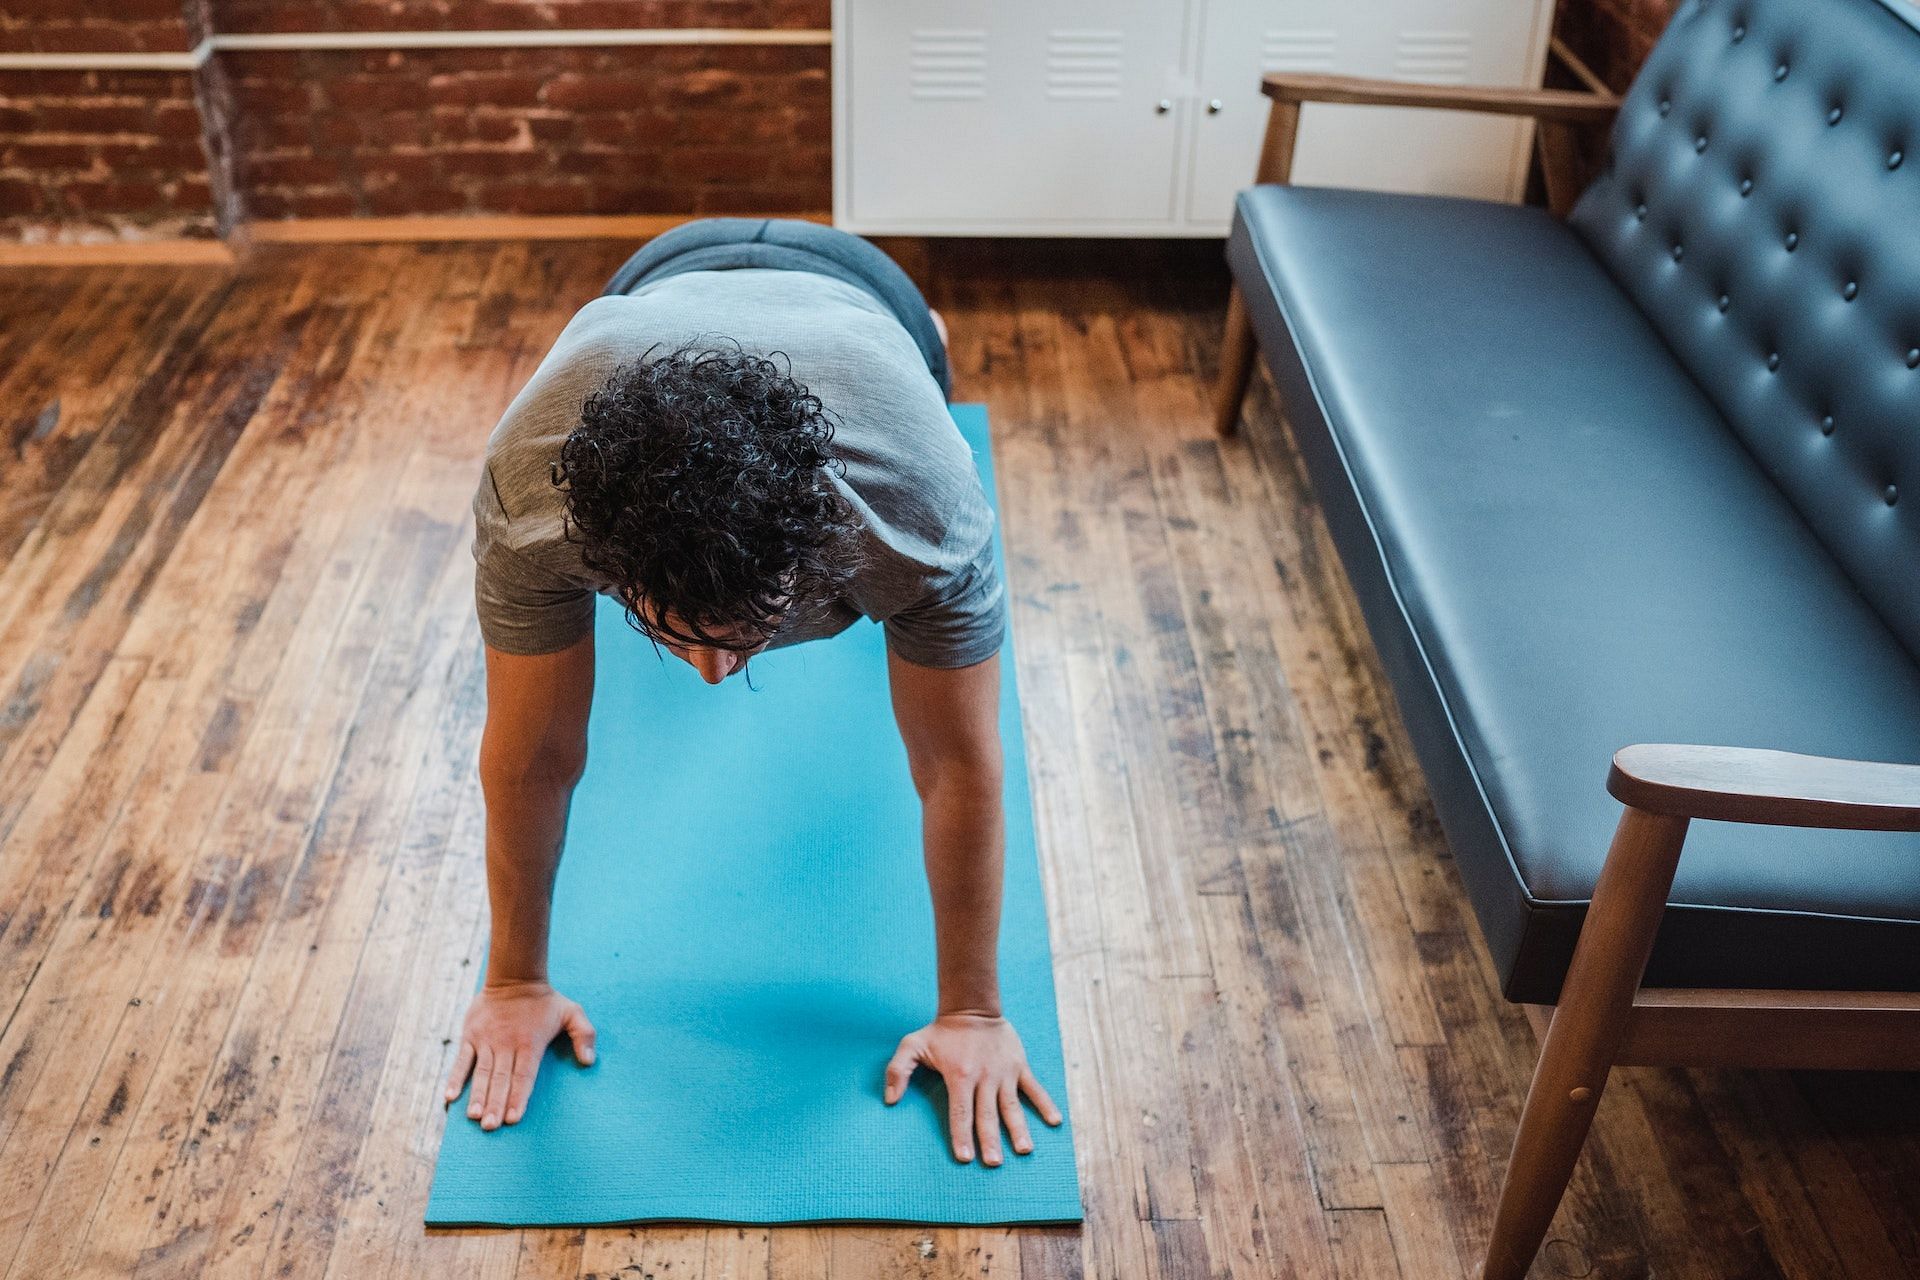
x,y
1773,788
1568,106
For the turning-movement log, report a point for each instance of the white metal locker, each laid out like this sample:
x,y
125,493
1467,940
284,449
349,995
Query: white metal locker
x,y
1499,42
1143,117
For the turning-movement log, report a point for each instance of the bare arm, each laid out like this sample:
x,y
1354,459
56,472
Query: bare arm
x,y
950,722
532,753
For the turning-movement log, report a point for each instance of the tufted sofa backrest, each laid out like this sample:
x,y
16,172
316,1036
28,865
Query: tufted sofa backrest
x,y
1762,206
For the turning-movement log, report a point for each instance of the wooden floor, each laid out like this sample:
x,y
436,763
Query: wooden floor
x,y
240,877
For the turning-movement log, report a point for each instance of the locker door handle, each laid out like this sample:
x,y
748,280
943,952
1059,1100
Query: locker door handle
x,y
1213,107
1163,106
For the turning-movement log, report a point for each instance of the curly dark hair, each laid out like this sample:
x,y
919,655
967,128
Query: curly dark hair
x,y
699,482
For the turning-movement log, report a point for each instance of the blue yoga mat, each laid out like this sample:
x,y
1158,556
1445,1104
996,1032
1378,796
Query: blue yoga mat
x,y
743,912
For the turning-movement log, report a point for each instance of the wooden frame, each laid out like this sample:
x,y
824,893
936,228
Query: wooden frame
x,y
1557,112
1604,1017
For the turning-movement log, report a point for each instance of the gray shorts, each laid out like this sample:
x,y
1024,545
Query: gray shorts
x,y
785,244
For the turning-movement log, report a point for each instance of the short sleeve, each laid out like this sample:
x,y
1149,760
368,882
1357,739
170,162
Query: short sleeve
x,y
524,608
962,620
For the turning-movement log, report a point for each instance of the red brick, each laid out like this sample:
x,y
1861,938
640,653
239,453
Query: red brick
x,y
335,129
299,169
191,193
722,163
370,93
488,162
536,198
283,203
20,198
391,129
112,195
497,126
27,153
594,92
388,202
155,157
272,96
409,169
112,116
493,88
607,130
176,120
713,84
550,126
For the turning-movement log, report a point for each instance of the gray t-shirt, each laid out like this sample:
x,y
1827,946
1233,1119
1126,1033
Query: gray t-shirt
x,y
929,573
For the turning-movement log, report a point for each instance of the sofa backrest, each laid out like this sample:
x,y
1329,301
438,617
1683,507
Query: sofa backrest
x,y
1762,206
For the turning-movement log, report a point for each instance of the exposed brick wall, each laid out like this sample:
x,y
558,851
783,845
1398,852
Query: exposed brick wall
x,y
92,154
81,26
643,129
1613,36
510,15
269,134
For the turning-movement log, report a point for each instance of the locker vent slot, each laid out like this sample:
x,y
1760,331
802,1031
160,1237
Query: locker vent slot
x,y
1297,49
1083,64
1437,57
947,63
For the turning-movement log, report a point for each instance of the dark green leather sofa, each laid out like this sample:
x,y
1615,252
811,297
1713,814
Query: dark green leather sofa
x,y
1650,474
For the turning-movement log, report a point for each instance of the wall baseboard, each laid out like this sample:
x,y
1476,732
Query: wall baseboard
x,y
225,253
206,253
638,226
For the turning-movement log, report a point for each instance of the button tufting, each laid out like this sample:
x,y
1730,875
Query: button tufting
x,y
1833,116
1773,361
1793,241
1826,425
1666,106
1700,143
1746,186
1640,212
1724,303
1913,358
1850,290
1739,34
1891,494
1780,72
1893,160
1678,253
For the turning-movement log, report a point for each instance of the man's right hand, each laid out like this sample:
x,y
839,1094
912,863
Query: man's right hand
x,y
508,1028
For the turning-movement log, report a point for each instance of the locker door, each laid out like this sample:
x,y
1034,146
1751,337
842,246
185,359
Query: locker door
x,y
1435,41
994,112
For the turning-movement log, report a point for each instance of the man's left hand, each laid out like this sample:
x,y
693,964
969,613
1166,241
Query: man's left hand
x,y
985,1067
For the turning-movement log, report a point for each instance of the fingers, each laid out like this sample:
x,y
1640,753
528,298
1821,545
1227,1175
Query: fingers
x,y
462,1064
986,1119
482,1077
498,1086
1038,1096
525,1067
900,1069
1016,1120
960,1118
581,1033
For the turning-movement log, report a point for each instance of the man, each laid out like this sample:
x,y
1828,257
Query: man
x,y
745,441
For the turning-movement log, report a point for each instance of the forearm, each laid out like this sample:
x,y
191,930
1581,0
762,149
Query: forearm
x,y
526,830
964,834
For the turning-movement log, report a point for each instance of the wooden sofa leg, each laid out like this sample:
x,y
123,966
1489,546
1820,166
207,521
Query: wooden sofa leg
x,y
1236,365
1595,1002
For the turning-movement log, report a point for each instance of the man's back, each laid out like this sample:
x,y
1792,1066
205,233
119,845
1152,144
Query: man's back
x,y
929,573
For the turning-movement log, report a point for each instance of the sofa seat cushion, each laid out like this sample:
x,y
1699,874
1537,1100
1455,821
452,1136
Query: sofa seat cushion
x,y
1561,548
